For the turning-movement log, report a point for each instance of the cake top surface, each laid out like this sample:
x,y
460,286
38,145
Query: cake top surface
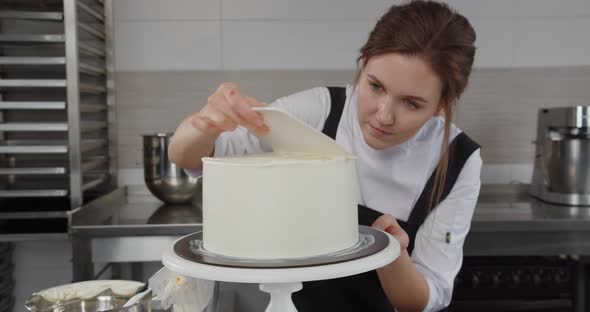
x,y
275,158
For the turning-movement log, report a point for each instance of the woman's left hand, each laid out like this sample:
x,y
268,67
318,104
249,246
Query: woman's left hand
x,y
389,224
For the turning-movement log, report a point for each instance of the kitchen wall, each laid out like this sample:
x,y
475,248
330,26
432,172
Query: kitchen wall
x,y
170,57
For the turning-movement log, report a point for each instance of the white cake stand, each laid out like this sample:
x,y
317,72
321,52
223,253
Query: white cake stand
x,y
280,283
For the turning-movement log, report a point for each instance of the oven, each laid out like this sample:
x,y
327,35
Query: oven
x,y
517,283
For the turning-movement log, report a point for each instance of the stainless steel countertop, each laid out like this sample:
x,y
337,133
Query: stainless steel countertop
x,y
507,221
133,211
509,208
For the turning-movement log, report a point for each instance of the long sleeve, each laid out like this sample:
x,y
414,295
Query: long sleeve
x,y
438,251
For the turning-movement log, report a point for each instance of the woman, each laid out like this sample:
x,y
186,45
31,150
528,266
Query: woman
x,y
419,175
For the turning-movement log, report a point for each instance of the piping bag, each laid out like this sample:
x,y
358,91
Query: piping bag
x,y
183,292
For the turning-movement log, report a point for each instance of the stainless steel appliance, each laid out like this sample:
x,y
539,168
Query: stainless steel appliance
x,y
56,111
164,179
561,172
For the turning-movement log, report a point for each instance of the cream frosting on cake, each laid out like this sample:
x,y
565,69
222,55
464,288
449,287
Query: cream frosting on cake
x,y
279,205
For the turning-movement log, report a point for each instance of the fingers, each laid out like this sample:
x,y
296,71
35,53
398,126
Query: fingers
x,y
239,108
252,102
227,108
209,126
202,123
385,221
247,111
222,121
388,223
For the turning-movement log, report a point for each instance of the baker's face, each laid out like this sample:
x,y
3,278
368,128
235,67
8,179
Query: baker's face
x,y
398,94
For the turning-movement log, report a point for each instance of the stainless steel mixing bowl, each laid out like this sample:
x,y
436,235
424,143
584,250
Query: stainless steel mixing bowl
x,y
106,301
102,303
566,161
164,179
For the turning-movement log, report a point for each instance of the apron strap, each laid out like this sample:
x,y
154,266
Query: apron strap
x,y
460,149
338,99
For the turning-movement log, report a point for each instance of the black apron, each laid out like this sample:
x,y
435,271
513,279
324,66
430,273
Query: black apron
x,y
363,292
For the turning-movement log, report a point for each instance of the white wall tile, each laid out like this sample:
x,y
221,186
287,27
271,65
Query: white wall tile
x,y
305,9
178,45
510,33
552,42
521,173
483,8
506,173
352,9
495,173
293,44
125,10
551,8
130,176
494,42
521,8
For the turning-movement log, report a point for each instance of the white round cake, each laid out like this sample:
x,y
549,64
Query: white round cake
x,y
279,205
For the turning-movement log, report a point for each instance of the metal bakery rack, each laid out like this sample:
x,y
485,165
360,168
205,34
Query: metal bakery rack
x,y
56,111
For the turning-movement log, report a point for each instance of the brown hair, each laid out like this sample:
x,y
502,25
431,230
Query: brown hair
x,y
443,39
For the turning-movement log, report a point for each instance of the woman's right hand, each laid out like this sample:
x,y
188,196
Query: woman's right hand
x,y
226,109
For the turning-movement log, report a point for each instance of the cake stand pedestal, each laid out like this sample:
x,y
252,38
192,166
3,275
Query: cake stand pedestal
x,y
281,278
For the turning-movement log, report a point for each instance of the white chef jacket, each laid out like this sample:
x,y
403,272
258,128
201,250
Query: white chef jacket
x,y
391,180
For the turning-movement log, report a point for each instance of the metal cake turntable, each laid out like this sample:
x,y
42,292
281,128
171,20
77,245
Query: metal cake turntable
x,y
370,242
281,277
